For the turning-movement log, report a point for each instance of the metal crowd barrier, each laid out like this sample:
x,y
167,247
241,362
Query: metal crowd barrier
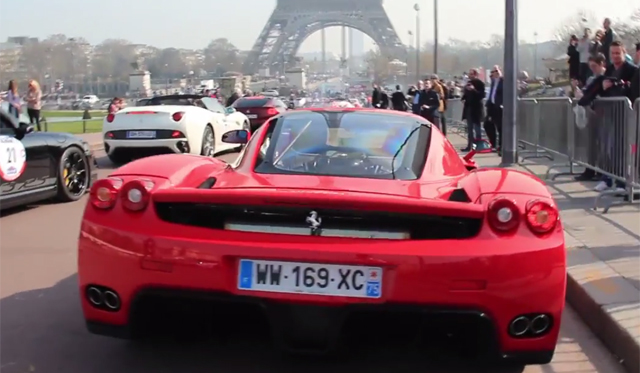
x,y
604,140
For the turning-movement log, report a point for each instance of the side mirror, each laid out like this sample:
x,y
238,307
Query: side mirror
x,y
23,130
236,137
229,110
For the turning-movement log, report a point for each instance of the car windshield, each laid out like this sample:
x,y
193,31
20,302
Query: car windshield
x,y
251,102
169,100
349,144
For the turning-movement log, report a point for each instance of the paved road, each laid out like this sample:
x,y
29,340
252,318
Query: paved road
x,y
41,327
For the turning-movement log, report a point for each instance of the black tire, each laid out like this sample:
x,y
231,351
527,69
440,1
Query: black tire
x,y
208,148
73,175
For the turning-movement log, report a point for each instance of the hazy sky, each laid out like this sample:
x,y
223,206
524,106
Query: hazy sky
x,y
193,23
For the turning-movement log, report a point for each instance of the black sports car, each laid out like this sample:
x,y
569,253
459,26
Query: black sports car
x,y
36,166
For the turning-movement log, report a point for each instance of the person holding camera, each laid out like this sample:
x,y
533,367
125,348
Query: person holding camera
x,y
473,109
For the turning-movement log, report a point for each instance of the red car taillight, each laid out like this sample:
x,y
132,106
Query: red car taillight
x,y
135,195
104,193
178,116
503,215
110,118
272,111
541,216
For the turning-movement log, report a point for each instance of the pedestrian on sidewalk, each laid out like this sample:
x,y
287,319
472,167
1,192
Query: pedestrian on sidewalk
x,y
473,110
430,103
13,98
399,100
34,103
493,122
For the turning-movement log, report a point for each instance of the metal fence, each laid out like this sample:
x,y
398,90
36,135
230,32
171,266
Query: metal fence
x,y
603,137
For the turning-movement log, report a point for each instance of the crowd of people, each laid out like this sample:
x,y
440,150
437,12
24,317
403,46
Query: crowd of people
x,y
32,98
602,67
429,99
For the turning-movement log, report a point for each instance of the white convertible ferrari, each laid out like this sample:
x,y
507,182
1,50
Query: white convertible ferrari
x,y
191,124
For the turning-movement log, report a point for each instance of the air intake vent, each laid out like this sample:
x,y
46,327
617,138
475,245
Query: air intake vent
x,y
459,195
208,184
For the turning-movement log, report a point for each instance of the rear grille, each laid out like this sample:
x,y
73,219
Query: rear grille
x,y
419,227
160,134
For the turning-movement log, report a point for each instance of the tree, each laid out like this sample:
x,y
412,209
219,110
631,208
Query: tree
x,y
378,65
221,56
575,25
628,30
168,63
112,58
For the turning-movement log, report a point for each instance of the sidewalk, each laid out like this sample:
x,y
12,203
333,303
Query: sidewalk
x,y
603,258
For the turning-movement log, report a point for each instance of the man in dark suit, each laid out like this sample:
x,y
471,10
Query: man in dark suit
x,y
399,100
473,110
375,96
430,103
384,99
493,122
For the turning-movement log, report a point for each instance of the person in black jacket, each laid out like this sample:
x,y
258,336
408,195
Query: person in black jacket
x,y
430,103
375,96
233,98
620,73
473,109
574,58
493,122
384,102
399,100
634,88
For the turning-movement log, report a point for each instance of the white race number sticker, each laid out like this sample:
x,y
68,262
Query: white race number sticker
x,y
13,158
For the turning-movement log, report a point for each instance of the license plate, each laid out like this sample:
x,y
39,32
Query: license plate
x,y
141,134
252,116
310,278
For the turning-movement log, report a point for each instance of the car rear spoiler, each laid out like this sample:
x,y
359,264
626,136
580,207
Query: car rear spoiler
x,y
319,199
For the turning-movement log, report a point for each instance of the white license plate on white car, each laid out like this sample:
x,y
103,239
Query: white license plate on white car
x,y
310,278
252,116
141,134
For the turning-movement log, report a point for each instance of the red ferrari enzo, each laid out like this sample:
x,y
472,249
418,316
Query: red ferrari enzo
x,y
326,215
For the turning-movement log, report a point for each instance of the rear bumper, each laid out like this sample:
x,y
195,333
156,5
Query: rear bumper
x,y
161,145
418,280
312,328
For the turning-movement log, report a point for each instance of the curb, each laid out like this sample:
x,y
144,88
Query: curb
x,y
604,326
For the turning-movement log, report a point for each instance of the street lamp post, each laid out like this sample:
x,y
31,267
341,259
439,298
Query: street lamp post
x,y
535,55
510,101
435,36
408,49
416,7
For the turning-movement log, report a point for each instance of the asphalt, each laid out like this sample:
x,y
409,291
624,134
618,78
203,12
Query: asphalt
x,y
42,330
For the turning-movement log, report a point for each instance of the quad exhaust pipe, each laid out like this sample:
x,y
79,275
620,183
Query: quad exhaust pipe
x,y
540,324
95,296
519,326
535,326
103,298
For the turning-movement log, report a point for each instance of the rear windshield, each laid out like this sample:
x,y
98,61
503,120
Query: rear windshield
x,y
251,102
169,100
348,144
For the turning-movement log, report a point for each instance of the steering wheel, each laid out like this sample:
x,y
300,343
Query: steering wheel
x,y
348,156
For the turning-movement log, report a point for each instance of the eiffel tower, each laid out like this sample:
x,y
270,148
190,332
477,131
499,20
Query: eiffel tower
x,y
293,21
